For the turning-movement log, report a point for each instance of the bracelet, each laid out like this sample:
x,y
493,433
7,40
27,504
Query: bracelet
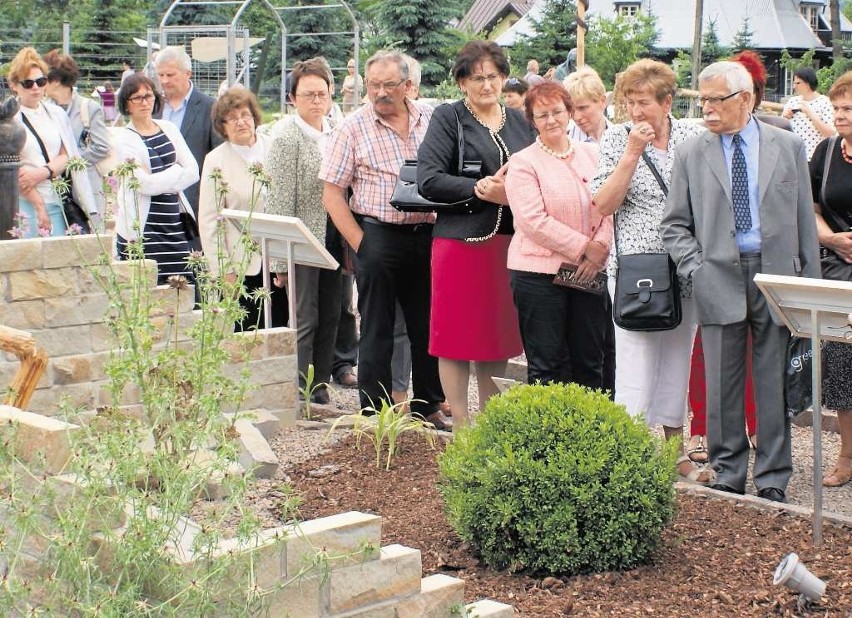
x,y
49,172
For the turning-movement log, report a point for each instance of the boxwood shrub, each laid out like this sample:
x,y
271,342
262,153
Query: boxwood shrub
x,y
556,478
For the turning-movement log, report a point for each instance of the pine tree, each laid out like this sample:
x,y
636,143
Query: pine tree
x,y
555,35
743,37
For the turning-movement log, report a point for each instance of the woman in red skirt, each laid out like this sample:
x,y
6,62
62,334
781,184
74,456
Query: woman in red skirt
x,y
473,316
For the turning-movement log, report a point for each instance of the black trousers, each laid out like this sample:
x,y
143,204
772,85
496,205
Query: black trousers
x,y
254,307
563,330
394,264
346,343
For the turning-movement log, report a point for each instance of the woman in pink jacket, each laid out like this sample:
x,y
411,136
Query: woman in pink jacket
x,y
557,232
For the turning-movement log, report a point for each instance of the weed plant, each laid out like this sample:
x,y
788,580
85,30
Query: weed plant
x,y
111,537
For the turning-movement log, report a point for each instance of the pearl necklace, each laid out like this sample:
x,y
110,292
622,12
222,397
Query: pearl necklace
x,y
559,155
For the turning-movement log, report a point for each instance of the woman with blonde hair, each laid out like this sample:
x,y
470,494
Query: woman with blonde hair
x,y
652,368
49,145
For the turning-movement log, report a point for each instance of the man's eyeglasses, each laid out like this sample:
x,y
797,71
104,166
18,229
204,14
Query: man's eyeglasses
x,y
29,83
702,101
481,79
375,86
320,95
142,98
245,117
556,115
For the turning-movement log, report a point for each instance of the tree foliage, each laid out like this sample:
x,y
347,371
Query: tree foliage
x,y
613,44
711,47
743,39
421,29
555,35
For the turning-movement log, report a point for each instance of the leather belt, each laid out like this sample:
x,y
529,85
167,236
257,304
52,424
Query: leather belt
x,y
405,228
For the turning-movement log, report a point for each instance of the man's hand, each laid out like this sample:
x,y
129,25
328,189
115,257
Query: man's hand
x,y
280,280
841,244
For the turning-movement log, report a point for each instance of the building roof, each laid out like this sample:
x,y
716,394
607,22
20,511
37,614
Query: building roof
x,y
775,24
483,14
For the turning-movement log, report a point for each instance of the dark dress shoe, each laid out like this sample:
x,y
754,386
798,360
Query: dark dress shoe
x,y
347,379
726,488
440,421
772,493
321,397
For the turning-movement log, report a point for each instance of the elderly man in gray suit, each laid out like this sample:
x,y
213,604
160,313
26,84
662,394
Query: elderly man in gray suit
x,y
740,204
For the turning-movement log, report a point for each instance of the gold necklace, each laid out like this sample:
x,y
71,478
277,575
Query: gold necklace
x,y
559,155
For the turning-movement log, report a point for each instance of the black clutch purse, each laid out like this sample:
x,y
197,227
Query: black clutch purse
x,y
406,197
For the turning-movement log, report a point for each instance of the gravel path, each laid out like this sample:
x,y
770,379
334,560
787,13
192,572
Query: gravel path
x,y
295,444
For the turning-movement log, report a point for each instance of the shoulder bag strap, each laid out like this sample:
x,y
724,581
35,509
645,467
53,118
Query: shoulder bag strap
x,y
826,211
459,139
35,135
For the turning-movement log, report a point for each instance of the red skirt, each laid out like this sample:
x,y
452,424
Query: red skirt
x,y
473,314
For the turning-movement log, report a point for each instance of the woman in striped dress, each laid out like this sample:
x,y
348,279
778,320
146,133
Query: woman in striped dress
x,y
150,208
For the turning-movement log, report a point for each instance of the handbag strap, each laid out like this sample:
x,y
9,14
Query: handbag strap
x,y
459,139
36,135
660,182
823,205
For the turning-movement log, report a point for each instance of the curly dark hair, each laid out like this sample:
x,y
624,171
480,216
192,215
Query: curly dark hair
x,y
61,68
234,99
476,52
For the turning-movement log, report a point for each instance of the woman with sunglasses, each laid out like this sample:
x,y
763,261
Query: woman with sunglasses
x,y
149,209
45,153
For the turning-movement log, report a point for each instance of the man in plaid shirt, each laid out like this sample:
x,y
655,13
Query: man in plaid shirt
x,y
393,248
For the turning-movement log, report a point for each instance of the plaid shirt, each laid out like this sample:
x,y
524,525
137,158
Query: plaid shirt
x,y
365,153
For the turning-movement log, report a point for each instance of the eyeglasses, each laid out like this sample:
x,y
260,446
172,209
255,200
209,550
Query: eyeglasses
x,y
481,79
29,83
386,85
702,101
245,117
320,95
142,98
556,115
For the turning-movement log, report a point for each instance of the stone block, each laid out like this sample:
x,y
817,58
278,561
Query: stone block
x,y
65,340
244,346
38,438
74,310
258,562
24,314
4,287
95,278
298,598
71,369
354,535
266,422
266,371
84,250
487,608
48,401
255,452
438,594
129,396
21,254
280,341
395,574
38,284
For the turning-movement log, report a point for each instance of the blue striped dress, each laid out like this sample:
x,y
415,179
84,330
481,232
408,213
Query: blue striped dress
x,y
164,239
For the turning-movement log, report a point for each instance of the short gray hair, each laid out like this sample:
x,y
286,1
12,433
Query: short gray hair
x,y
414,72
736,75
176,54
391,56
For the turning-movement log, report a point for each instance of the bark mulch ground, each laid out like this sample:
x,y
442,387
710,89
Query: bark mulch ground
x,y
717,558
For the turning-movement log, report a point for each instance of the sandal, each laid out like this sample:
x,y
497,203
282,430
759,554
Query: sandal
x,y
702,476
697,450
841,474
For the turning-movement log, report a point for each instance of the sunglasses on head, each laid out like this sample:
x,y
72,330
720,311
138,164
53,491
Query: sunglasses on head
x,y
29,83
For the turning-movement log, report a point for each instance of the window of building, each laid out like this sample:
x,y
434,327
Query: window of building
x,y
811,14
627,9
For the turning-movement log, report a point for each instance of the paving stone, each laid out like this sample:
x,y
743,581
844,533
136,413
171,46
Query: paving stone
x,y
20,254
38,438
396,573
255,452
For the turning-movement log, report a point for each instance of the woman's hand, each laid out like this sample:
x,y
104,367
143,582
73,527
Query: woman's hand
x,y
841,244
586,271
596,253
493,188
280,280
640,136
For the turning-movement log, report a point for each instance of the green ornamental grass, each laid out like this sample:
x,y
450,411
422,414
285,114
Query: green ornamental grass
x,y
558,479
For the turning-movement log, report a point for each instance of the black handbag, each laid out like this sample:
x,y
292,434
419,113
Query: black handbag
x,y
74,214
406,196
833,266
647,293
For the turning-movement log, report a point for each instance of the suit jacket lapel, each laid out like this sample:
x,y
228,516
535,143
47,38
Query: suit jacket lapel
x,y
767,160
191,114
716,162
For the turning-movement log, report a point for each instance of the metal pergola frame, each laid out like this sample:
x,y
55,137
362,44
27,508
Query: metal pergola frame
x,y
231,30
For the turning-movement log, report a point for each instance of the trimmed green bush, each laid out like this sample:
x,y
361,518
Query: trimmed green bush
x,y
558,479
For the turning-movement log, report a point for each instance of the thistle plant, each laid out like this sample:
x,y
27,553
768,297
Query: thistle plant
x,y
384,426
111,538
